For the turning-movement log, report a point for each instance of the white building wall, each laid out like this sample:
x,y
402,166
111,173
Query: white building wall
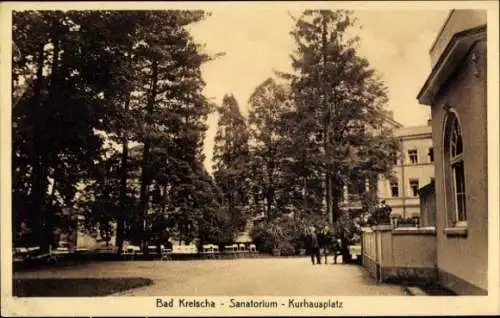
x,y
417,138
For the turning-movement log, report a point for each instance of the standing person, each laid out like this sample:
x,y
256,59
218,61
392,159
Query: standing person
x,y
336,248
382,213
314,246
324,241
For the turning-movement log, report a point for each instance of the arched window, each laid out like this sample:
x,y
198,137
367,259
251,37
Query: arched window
x,y
454,166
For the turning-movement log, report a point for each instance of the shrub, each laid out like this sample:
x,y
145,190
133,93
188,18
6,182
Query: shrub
x,y
346,228
377,215
286,248
282,233
262,238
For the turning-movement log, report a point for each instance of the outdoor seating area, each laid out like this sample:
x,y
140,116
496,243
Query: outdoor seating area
x,y
184,249
191,251
20,254
210,251
33,256
130,251
28,256
239,250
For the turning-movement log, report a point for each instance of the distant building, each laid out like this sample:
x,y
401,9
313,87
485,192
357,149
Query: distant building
x,y
456,91
355,188
413,170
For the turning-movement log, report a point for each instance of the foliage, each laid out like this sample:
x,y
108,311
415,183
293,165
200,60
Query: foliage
x,y
380,215
283,233
110,117
212,222
87,83
230,158
268,105
346,229
340,103
54,144
287,248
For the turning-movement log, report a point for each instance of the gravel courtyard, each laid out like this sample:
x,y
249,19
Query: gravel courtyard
x,y
245,277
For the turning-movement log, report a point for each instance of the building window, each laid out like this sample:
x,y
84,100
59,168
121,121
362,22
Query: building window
x,y
394,189
414,187
412,154
431,155
458,175
457,170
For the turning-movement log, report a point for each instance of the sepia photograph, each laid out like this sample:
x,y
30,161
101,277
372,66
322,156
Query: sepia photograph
x,y
249,159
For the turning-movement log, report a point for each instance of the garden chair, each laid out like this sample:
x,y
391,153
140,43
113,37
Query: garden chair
x,y
130,251
165,253
192,249
207,250
229,249
216,251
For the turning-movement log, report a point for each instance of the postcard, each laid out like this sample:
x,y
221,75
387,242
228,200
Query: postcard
x,y
249,158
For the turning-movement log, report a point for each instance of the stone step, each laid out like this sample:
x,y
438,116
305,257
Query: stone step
x,y
415,291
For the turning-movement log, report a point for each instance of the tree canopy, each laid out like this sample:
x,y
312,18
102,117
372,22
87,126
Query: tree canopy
x,y
88,86
109,121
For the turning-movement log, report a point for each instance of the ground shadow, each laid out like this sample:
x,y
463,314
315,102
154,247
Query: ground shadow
x,y
75,287
431,288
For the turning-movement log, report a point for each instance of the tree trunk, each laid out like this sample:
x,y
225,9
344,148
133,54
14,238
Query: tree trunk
x,y
336,190
304,203
268,204
329,202
52,102
37,194
120,227
165,198
145,175
346,256
40,172
327,127
144,191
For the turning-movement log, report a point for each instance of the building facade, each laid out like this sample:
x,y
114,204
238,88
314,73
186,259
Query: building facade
x,y
456,92
356,188
412,171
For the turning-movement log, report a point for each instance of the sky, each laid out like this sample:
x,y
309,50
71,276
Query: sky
x,y
257,42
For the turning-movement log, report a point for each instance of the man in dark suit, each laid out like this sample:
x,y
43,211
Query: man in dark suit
x,y
313,245
325,242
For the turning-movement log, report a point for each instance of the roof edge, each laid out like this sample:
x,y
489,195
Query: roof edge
x,y
446,53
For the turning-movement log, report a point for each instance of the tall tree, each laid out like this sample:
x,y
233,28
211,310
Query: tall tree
x,y
230,157
83,78
174,111
53,123
341,101
268,104
115,55
302,175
